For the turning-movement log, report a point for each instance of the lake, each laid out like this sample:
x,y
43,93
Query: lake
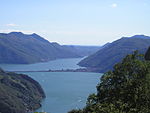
x,y
64,90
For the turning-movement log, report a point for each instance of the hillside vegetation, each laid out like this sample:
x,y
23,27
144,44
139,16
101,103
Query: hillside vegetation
x,y
147,55
107,57
19,48
126,89
19,93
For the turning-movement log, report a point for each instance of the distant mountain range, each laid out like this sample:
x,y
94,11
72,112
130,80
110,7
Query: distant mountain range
x,y
82,50
104,59
19,48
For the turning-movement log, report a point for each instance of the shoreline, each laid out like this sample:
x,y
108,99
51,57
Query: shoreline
x,y
62,70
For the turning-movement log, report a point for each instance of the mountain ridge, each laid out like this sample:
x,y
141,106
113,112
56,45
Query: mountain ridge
x,y
139,36
104,59
21,48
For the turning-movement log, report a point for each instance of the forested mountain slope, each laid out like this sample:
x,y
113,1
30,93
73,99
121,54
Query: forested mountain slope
x,y
105,58
16,47
19,93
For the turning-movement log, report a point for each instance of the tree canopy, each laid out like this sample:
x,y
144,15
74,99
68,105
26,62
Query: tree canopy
x,y
126,89
147,55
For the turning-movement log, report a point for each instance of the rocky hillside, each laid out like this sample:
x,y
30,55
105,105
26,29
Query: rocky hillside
x,y
19,93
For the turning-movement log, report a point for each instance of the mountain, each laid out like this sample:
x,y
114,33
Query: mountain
x,y
82,50
19,93
139,36
19,48
104,59
147,55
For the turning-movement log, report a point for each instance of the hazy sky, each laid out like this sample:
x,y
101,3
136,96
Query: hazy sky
x,y
82,22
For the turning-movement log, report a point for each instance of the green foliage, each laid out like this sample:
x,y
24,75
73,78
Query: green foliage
x,y
126,89
104,59
147,55
75,111
92,99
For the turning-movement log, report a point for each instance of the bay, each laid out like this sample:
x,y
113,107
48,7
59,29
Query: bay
x,y
64,90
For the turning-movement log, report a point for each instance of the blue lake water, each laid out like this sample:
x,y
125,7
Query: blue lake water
x,y
55,64
64,90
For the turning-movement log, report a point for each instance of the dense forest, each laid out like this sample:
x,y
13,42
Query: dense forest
x,y
147,55
125,89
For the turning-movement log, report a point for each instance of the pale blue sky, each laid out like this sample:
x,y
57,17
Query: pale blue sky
x,y
81,22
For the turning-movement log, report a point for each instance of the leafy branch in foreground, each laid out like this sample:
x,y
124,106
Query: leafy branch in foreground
x,y
126,89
